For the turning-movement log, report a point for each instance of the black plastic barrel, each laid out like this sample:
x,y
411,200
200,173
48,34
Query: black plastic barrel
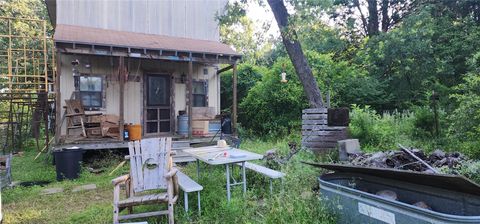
x,y
67,163
226,125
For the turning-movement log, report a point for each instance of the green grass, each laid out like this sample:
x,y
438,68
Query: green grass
x,y
292,202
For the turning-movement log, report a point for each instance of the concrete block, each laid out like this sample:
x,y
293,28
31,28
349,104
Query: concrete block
x,y
87,187
348,146
51,190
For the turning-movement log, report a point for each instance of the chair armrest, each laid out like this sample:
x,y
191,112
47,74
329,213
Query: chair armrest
x,y
76,114
94,114
171,173
120,179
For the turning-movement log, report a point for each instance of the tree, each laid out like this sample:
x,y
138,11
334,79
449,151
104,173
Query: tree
x,y
370,17
239,31
295,52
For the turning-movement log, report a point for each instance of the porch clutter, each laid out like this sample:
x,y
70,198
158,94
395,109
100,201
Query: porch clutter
x,y
201,118
89,124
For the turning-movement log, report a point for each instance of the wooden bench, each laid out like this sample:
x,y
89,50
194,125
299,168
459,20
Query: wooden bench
x,y
188,185
272,174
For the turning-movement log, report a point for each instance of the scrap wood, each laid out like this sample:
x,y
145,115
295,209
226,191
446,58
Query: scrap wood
x,y
416,157
45,147
116,168
401,159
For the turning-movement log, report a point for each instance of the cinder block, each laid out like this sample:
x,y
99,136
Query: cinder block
x,y
348,146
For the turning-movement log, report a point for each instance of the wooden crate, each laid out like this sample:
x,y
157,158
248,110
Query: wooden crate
x,y
199,128
316,134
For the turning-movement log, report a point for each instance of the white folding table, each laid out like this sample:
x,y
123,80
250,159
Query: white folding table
x,y
214,155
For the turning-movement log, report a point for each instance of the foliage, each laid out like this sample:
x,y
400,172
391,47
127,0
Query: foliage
x,y
369,17
25,205
273,107
465,118
239,31
247,76
380,132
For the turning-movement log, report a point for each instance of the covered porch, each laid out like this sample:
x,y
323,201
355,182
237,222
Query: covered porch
x,y
149,80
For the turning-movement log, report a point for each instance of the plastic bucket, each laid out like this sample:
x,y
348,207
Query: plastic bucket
x,y
67,163
135,132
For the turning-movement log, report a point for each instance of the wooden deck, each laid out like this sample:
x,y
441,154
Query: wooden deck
x,y
108,144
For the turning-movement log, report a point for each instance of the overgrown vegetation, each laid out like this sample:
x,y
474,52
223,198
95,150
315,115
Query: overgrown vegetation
x,y
292,202
393,69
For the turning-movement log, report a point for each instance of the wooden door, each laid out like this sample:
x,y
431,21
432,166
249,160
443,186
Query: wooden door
x,y
157,105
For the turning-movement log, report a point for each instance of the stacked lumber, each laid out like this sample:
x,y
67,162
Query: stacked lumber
x,y
316,134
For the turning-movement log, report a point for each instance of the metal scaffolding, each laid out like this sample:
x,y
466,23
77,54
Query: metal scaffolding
x,y
27,75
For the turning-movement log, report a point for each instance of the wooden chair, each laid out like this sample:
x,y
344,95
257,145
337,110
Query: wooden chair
x,y
151,168
77,118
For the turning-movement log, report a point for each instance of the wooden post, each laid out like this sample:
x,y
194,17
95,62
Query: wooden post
x,y
121,73
234,104
190,97
58,100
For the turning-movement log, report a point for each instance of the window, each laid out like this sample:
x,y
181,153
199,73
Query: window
x,y
91,91
199,93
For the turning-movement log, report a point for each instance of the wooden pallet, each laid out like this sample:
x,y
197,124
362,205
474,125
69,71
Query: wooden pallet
x,y
316,134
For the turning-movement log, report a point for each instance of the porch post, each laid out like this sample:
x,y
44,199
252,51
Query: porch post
x,y
58,100
234,104
121,74
190,97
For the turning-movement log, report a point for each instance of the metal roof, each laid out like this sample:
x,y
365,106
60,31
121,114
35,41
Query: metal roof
x,y
114,38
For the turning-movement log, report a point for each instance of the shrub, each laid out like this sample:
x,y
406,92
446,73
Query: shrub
x,y
380,132
272,107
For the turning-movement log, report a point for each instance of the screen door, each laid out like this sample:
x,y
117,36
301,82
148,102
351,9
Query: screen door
x,y
157,104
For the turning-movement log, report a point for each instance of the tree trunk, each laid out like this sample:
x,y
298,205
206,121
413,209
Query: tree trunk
x,y
372,18
295,52
385,17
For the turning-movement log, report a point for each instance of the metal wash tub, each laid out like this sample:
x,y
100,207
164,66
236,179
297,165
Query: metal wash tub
x,y
350,193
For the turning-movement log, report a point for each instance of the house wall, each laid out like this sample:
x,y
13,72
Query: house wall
x,y
133,101
180,18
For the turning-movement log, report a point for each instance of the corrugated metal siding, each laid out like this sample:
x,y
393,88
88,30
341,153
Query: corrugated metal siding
x,y
133,100
180,18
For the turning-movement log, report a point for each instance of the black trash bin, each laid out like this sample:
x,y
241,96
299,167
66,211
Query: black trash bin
x,y
226,125
67,163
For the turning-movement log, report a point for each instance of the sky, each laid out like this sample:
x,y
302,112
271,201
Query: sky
x,y
260,15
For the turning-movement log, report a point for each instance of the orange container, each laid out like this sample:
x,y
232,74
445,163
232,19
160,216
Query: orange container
x,y
134,132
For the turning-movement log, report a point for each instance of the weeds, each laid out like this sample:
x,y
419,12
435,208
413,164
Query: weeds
x,y
292,202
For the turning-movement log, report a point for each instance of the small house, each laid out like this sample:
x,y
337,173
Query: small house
x,y
138,63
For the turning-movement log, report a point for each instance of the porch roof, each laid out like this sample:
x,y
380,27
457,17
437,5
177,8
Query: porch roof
x,y
139,43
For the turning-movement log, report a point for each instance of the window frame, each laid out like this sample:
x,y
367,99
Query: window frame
x,y
205,95
102,92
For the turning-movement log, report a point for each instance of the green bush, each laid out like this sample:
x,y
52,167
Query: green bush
x,y
464,120
380,132
272,107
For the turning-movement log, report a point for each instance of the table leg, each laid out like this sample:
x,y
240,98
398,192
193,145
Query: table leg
x,y
244,179
228,182
198,169
185,197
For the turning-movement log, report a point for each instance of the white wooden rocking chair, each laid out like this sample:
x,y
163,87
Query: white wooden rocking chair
x,y
150,169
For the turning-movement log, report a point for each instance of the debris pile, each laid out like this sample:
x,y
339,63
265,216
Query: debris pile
x,y
403,160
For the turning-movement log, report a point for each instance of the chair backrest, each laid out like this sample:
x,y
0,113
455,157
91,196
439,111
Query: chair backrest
x,y
150,160
75,107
